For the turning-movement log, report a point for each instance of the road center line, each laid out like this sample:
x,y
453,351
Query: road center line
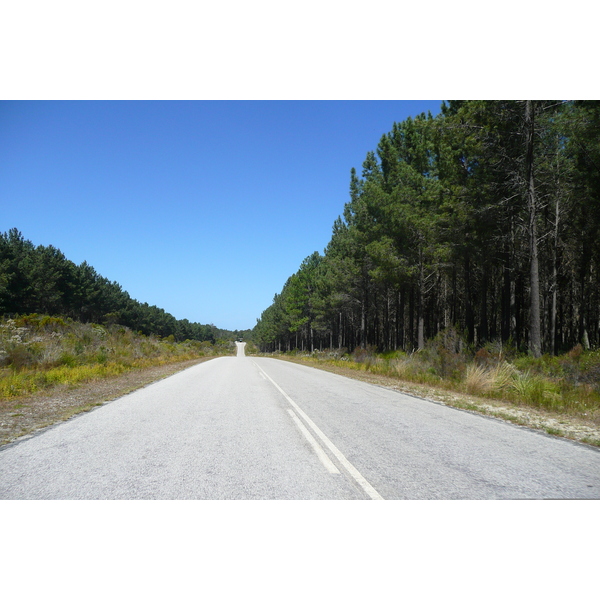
x,y
352,470
311,440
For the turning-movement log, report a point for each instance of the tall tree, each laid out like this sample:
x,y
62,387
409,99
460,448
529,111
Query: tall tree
x,y
535,330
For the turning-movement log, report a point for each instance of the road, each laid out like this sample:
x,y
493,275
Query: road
x,y
258,428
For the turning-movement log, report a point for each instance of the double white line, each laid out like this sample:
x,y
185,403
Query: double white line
x,y
348,466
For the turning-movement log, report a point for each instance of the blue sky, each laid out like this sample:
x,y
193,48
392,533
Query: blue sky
x,y
203,208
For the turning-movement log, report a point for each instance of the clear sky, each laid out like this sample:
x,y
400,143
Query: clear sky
x,y
203,208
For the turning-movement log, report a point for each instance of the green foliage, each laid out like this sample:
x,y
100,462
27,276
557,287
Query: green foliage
x,y
251,349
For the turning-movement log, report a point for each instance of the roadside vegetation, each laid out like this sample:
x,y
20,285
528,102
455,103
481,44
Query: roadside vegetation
x,y
39,352
251,348
561,386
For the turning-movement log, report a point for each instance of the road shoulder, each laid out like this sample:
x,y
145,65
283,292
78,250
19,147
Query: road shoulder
x,y
561,425
24,416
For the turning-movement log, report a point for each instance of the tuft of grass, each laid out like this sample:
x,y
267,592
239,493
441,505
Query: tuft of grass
x,y
478,380
486,380
591,441
405,368
537,391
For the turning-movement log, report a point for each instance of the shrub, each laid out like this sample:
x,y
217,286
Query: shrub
x,y
446,355
483,356
251,348
576,352
67,359
362,355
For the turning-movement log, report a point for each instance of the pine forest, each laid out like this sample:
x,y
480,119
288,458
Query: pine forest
x,y
483,221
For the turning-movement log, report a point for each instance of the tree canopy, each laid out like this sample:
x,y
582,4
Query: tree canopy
x,y
485,218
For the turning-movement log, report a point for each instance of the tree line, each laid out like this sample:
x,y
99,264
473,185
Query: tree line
x,y
40,279
485,218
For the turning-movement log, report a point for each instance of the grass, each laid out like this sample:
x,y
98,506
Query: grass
x,y
591,441
553,431
480,380
41,352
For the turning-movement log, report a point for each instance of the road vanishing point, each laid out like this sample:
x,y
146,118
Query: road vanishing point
x,y
259,428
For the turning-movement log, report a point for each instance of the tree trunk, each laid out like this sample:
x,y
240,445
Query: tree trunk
x,y
483,313
583,332
420,310
506,297
469,316
535,333
364,313
554,281
411,318
397,319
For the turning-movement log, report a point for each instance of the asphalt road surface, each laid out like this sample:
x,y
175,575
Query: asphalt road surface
x,y
258,428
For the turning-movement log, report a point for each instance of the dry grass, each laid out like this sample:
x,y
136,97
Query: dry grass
x,y
483,380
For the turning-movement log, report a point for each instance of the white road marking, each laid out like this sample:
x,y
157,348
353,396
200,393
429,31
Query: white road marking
x,y
311,440
352,470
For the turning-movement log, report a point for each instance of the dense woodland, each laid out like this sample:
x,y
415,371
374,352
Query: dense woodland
x,y
484,219
40,279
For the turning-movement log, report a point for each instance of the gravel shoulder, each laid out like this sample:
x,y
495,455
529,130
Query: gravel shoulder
x,y
572,427
23,416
